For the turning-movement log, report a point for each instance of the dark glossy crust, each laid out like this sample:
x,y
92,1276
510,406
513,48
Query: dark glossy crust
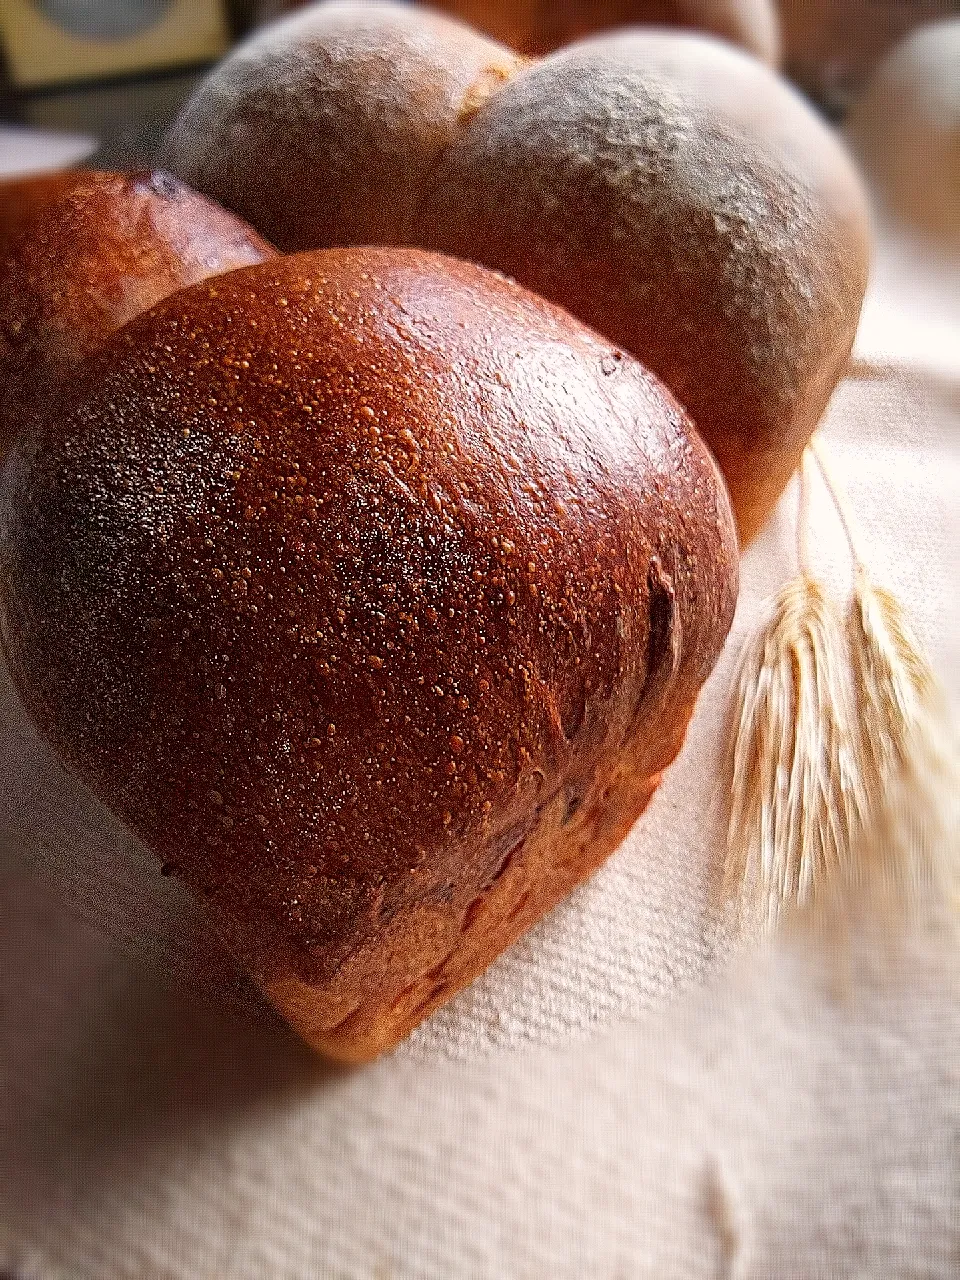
x,y
353,573
21,199
95,251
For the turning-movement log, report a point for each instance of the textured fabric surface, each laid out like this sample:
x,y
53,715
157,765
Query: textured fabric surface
x,y
625,1092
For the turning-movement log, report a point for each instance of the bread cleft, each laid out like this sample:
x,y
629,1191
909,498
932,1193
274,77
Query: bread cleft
x,y
372,595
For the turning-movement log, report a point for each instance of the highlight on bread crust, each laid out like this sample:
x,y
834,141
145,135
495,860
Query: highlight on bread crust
x,y
665,188
96,251
373,593
21,199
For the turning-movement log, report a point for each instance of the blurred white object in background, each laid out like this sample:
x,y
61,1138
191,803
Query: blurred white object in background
x,y
111,21
905,129
831,46
39,150
905,133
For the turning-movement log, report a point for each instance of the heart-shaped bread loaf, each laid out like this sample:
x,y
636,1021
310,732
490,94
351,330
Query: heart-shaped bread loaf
x,y
666,188
374,594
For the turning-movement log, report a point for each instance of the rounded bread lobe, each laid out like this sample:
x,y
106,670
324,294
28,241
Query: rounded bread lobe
x,y
105,249
346,567
323,129
684,201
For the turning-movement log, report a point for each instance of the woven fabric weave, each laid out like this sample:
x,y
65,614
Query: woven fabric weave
x,y
626,1092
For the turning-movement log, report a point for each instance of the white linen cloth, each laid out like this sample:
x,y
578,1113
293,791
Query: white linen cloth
x,y
624,1093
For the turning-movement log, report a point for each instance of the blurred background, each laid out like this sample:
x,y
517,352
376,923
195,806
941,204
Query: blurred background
x,y
115,72
768,1126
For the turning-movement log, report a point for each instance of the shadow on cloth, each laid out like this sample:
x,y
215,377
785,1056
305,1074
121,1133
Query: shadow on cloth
x,y
146,1064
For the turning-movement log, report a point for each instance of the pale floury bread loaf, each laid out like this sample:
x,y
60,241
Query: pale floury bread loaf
x,y
326,127
666,188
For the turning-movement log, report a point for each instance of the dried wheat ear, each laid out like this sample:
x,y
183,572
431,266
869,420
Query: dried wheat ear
x,y
843,758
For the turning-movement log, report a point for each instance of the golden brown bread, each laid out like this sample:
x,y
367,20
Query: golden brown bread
x,y
664,187
21,199
374,593
96,250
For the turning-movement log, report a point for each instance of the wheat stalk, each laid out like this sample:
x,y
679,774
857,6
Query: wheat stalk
x,y
906,752
907,747
843,761
792,786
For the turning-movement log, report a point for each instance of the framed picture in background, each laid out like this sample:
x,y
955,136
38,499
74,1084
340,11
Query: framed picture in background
x,y
52,41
